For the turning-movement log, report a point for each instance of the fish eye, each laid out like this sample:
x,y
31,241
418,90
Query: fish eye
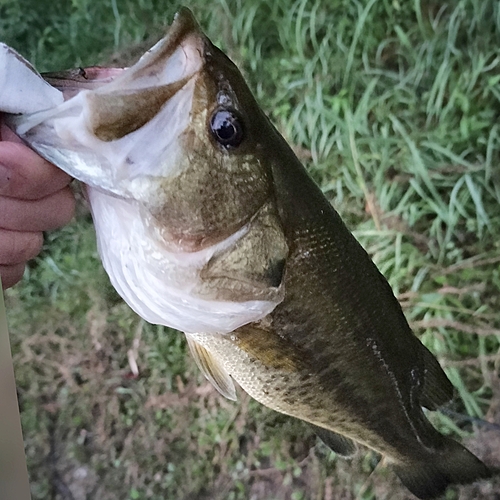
x,y
227,129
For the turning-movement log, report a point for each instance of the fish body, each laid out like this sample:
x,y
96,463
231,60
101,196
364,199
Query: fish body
x,y
208,223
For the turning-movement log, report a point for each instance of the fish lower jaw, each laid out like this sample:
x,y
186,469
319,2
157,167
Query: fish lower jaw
x,y
162,287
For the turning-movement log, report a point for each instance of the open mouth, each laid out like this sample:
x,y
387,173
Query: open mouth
x,y
120,123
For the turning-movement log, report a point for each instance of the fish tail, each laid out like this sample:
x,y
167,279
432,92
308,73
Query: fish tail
x,y
453,464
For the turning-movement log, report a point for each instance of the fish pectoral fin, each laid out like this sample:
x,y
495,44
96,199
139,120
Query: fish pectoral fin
x,y
212,369
336,442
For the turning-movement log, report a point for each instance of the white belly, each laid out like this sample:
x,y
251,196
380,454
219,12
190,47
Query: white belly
x,y
160,286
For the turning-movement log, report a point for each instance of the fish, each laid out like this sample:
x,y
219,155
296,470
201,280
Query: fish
x,y
208,223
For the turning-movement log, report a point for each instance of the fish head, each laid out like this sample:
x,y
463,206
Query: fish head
x,y
177,159
179,133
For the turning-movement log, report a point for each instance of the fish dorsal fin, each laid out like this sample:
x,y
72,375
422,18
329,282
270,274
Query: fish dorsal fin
x,y
336,442
212,369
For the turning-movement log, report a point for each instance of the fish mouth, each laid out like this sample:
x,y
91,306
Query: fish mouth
x,y
73,81
111,116
136,95
170,60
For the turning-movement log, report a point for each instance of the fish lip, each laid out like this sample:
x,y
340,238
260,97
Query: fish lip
x,y
183,32
19,57
183,25
71,82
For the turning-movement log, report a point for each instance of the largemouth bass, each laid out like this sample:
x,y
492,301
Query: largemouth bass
x,y
208,223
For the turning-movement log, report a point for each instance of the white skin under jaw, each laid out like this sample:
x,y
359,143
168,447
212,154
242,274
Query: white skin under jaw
x,y
161,286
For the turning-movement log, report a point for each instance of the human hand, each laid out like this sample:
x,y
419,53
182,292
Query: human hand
x,y
34,197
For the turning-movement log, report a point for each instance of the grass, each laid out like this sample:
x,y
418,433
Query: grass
x,y
393,107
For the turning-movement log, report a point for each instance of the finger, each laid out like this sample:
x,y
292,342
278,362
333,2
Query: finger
x,y
46,214
16,247
11,275
26,175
